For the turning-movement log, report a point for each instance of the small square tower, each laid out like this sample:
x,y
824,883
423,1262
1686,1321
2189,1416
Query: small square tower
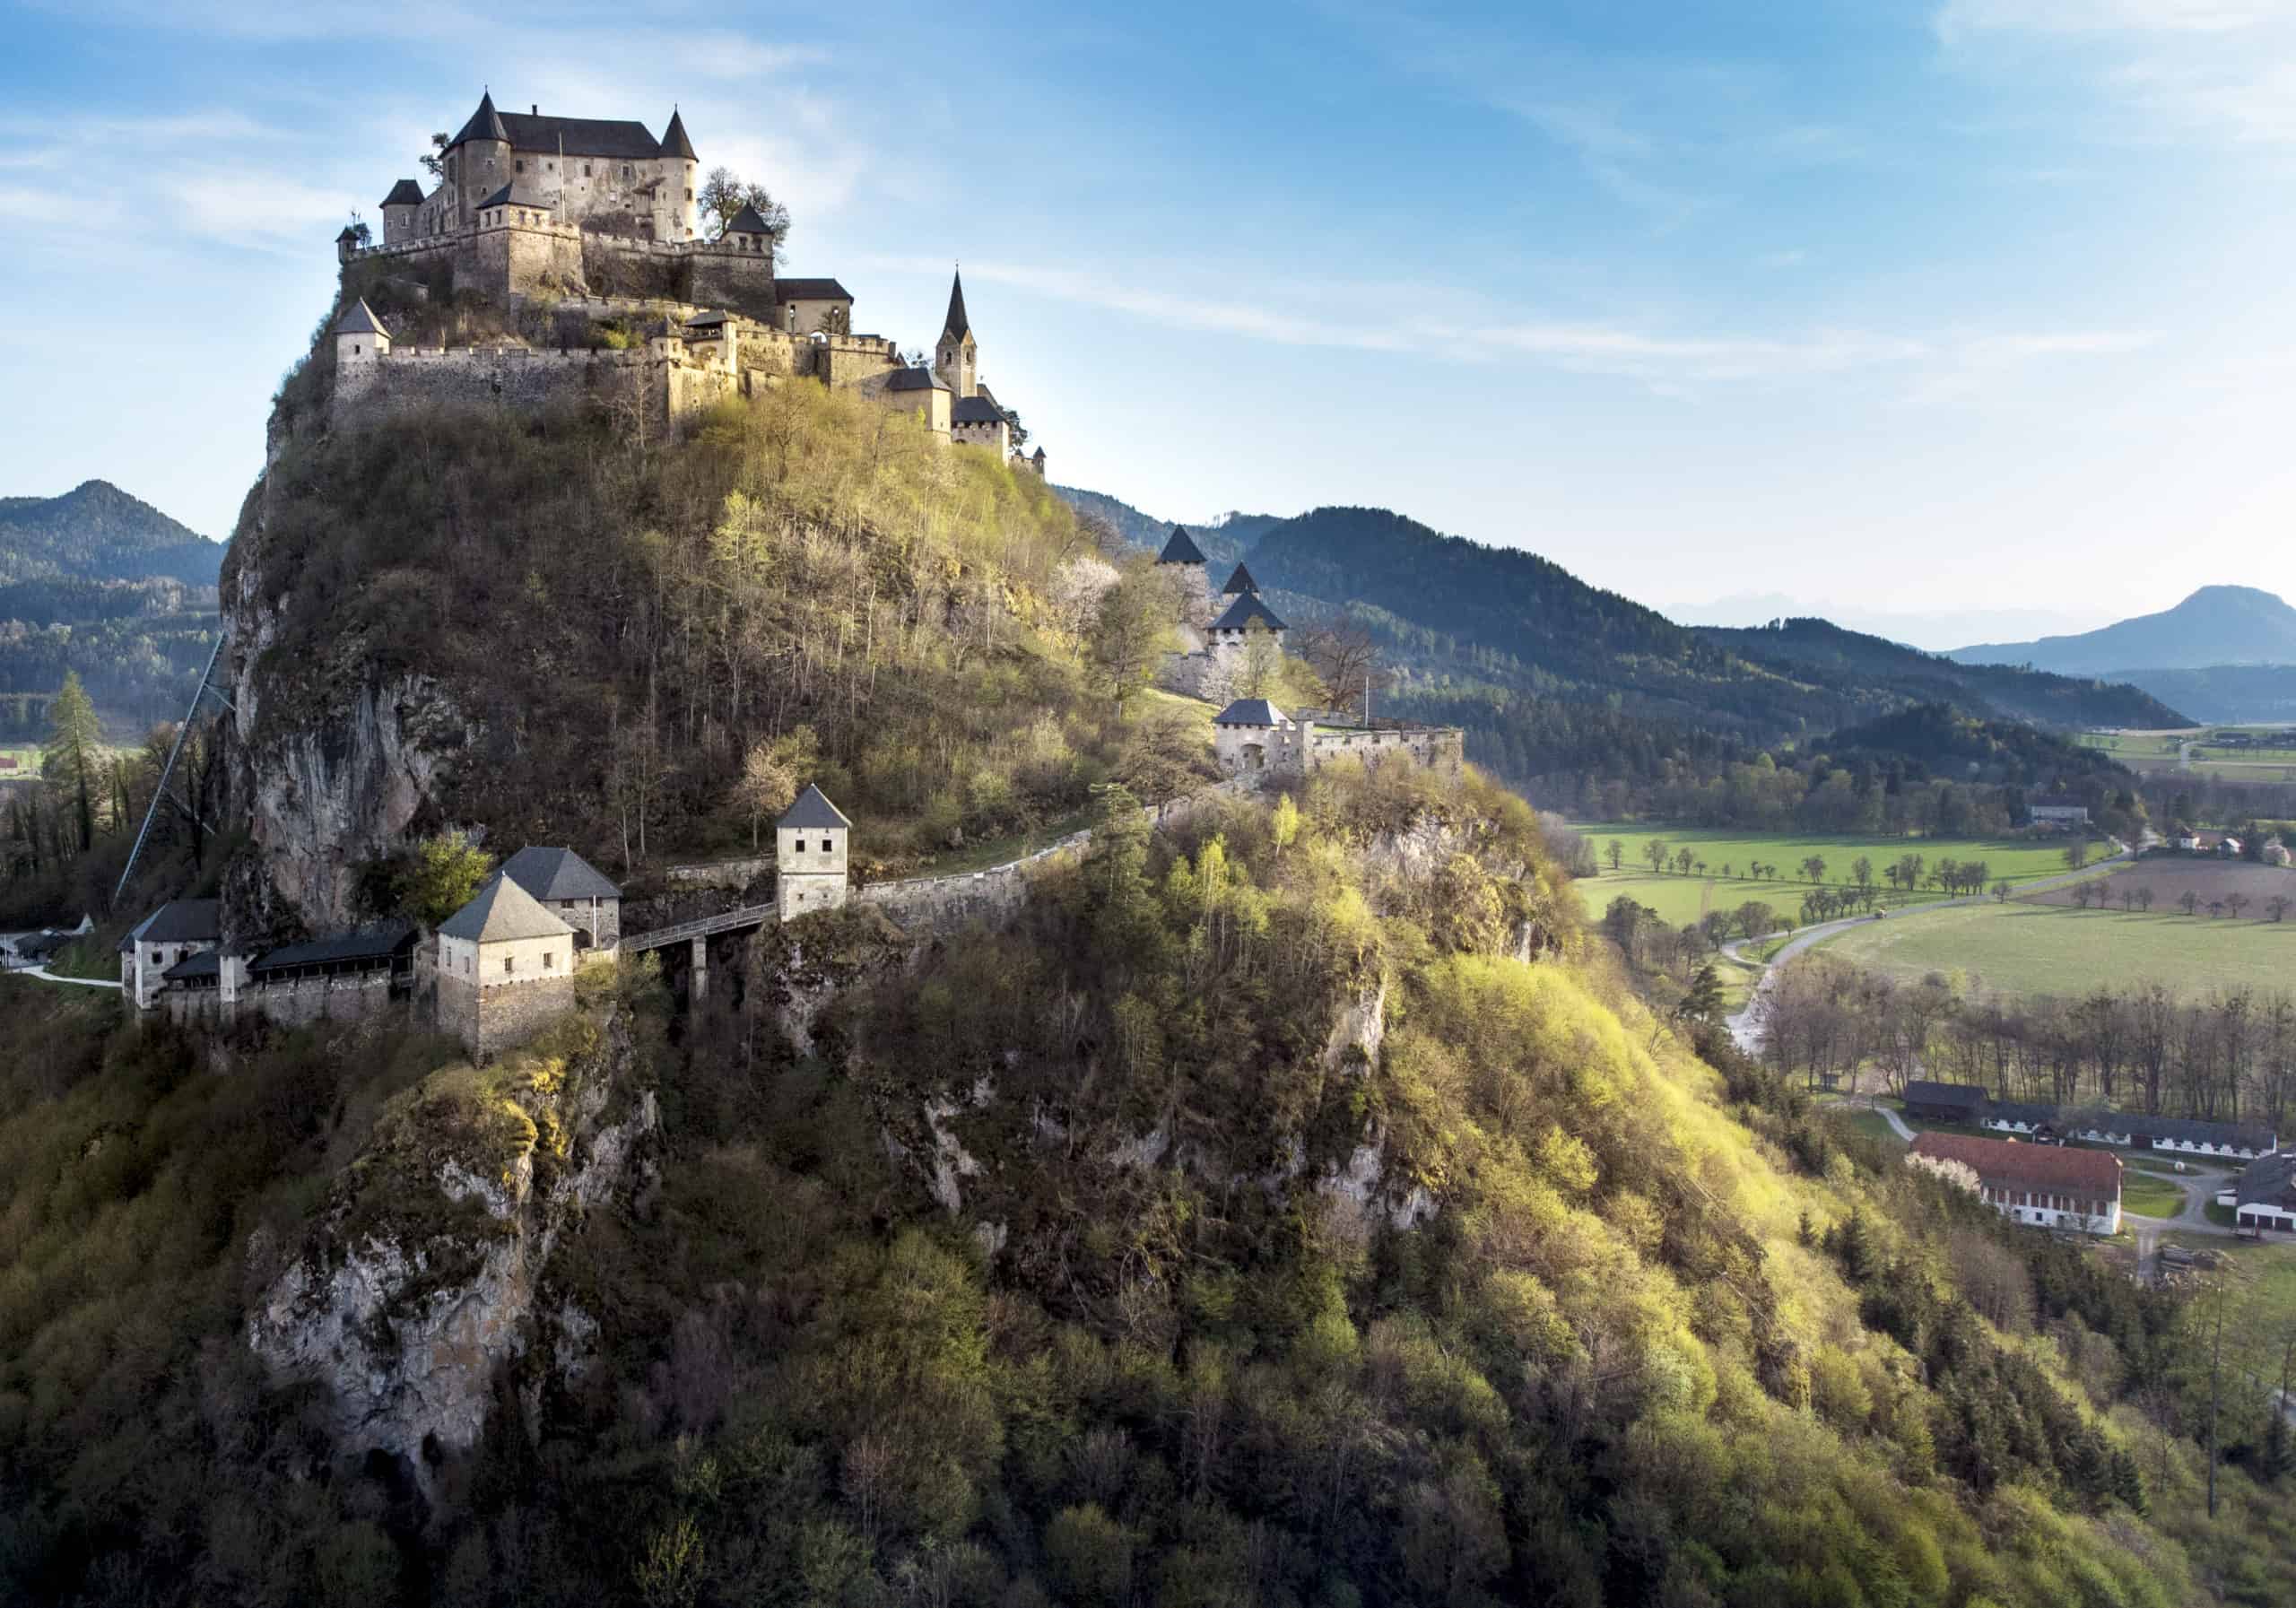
x,y
809,845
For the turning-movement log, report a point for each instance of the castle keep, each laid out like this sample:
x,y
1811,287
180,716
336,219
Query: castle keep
x,y
600,221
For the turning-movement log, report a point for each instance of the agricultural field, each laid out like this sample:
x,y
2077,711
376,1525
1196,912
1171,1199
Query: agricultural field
x,y
1679,898
2169,878
2026,947
2126,746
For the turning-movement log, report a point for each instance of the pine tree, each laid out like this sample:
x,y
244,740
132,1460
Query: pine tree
x,y
73,754
2128,1484
1703,1003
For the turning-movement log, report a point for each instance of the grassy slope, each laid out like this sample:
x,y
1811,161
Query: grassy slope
x,y
2022,949
1681,899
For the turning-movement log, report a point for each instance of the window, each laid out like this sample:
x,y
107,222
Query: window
x,y
625,173
801,846
519,166
509,963
586,170
550,960
689,194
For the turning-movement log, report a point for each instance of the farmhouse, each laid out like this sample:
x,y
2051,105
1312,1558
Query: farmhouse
x,y
2058,812
2044,1184
2266,1195
1944,1102
2177,1135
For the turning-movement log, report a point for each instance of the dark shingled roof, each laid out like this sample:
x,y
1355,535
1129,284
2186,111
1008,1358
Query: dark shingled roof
x,y
1920,1091
485,124
179,921
207,963
812,809
1039,455
557,874
359,319
405,193
1244,611
1241,583
502,910
810,290
956,324
2055,1166
518,194
348,233
976,410
380,942
2270,1179
748,222
709,320
615,138
1250,711
2083,1119
914,380
673,140
1181,549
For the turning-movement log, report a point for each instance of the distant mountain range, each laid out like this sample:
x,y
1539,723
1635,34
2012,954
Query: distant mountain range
x,y
1934,631
1459,615
98,532
2216,625
104,585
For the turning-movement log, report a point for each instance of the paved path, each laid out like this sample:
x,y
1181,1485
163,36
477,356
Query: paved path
x,y
1744,1027
2191,1218
45,976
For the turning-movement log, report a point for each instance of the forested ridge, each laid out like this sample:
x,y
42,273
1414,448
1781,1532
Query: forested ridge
x,y
1296,1206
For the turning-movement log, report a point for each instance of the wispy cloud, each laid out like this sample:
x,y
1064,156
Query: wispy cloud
x,y
1451,329
2224,70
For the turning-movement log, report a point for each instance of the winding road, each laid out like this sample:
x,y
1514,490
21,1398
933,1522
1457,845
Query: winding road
x,y
1744,1026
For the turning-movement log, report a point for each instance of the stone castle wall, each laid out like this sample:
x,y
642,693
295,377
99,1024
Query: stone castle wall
x,y
520,259
503,1015
296,1001
424,378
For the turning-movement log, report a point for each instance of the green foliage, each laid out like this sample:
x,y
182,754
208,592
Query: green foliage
x,y
444,874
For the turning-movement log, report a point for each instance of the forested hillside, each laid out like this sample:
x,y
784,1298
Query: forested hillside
x,y
1294,1206
2005,691
98,532
100,583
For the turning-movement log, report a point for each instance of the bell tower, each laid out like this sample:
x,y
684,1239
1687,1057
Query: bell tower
x,y
954,359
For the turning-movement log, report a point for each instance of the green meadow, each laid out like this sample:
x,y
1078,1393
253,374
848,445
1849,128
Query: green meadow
x,y
1680,899
2030,949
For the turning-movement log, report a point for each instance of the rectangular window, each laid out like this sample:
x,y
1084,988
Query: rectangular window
x,y
801,846
519,166
509,963
549,960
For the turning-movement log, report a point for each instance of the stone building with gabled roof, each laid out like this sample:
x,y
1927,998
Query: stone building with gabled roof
x,y
505,968
169,936
810,854
573,890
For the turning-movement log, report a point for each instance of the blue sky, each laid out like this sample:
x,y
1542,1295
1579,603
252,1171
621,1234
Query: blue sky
x,y
1901,309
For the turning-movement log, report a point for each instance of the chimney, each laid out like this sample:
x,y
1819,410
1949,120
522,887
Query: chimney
x,y
534,108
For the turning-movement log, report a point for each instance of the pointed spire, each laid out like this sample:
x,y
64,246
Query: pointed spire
x,y
485,124
956,324
1240,583
673,140
1181,549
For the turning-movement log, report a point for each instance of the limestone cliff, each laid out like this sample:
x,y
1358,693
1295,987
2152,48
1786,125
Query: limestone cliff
x,y
429,1270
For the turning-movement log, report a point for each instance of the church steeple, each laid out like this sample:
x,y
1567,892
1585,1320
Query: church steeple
x,y
956,326
953,358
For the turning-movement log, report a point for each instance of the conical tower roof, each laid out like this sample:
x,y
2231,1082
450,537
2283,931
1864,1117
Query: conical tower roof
x,y
1181,549
957,324
485,124
359,319
1240,583
673,140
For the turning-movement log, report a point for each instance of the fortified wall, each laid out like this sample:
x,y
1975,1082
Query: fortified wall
x,y
293,1002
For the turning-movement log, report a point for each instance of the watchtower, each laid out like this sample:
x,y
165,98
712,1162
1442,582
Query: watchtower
x,y
361,341
809,846
1184,560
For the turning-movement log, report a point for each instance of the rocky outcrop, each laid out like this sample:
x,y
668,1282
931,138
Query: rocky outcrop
x,y
429,1270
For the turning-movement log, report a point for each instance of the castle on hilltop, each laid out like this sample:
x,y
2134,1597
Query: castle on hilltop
x,y
1232,644
598,219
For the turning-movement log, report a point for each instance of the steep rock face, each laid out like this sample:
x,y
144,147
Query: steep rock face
x,y
337,764
430,1269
